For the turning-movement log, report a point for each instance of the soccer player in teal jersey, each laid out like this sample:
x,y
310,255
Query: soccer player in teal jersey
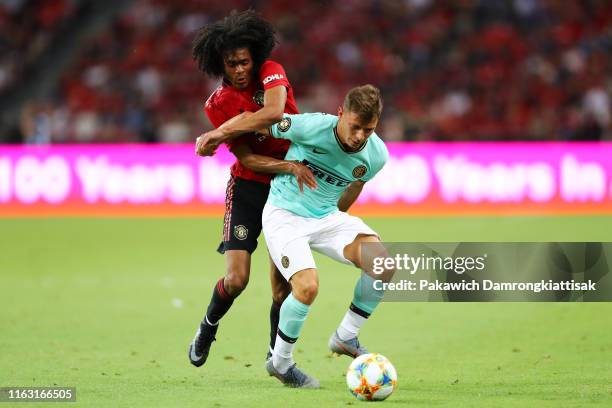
x,y
344,153
315,142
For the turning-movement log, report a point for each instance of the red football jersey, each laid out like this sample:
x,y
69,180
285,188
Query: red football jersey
x,y
227,102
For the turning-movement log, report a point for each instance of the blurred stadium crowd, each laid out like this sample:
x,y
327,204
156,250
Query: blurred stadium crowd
x,y
449,70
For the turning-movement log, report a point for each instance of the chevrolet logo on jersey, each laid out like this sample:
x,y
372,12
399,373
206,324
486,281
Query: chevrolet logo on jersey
x,y
326,176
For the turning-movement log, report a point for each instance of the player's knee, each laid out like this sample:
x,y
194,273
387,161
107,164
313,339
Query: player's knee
x,y
310,292
306,293
236,280
305,288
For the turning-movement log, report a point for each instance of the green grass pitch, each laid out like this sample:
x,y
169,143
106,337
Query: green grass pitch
x,y
110,305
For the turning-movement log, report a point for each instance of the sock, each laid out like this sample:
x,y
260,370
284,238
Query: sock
x,y
365,297
220,303
282,355
350,325
292,316
274,318
365,300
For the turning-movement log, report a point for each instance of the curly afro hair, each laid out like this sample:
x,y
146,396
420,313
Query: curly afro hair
x,y
238,30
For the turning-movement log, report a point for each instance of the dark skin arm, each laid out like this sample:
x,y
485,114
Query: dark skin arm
x,y
265,164
271,113
350,195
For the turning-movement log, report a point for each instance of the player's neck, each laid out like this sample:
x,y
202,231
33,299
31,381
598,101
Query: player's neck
x,y
344,146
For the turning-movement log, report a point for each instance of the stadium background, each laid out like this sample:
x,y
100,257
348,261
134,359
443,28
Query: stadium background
x,y
109,305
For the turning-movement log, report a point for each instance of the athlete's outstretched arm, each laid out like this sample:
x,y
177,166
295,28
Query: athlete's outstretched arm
x,y
350,195
271,113
200,140
265,164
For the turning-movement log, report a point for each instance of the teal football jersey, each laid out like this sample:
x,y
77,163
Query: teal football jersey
x,y
315,143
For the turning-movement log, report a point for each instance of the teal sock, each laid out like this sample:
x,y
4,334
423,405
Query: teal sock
x,y
365,296
292,316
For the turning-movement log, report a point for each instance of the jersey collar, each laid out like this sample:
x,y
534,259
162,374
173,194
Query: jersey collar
x,y
342,146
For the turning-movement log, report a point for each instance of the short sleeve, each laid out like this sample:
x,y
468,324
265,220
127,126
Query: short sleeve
x,y
273,74
379,159
292,127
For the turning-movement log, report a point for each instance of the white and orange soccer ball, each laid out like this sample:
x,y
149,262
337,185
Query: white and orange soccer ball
x,y
371,377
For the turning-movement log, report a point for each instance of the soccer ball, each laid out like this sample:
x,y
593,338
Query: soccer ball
x,y
371,377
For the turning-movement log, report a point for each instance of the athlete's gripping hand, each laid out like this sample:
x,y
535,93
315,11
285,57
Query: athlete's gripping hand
x,y
303,175
207,143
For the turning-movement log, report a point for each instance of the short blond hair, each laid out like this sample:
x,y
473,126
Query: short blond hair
x,y
365,101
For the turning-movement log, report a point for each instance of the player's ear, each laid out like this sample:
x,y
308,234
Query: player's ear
x,y
339,111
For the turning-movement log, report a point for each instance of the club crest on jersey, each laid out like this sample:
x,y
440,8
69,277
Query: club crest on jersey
x,y
284,124
285,261
359,171
258,97
241,232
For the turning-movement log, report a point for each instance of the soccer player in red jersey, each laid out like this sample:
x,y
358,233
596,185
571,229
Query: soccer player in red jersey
x,y
237,48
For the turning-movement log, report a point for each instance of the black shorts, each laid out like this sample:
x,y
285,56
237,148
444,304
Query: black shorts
x,y
244,203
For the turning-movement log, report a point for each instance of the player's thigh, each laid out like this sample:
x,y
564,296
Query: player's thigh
x,y
287,243
280,286
363,250
242,221
339,232
366,252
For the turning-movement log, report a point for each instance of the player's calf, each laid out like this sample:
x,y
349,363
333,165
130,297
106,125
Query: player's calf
x,y
220,303
280,291
365,299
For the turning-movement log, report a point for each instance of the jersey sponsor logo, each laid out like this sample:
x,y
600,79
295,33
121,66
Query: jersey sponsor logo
x,y
272,77
258,97
285,261
359,171
317,151
241,232
326,175
284,124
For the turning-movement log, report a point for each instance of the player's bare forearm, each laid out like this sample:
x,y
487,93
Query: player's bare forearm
x,y
272,112
235,119
262,119
243,115
350,195
266,164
